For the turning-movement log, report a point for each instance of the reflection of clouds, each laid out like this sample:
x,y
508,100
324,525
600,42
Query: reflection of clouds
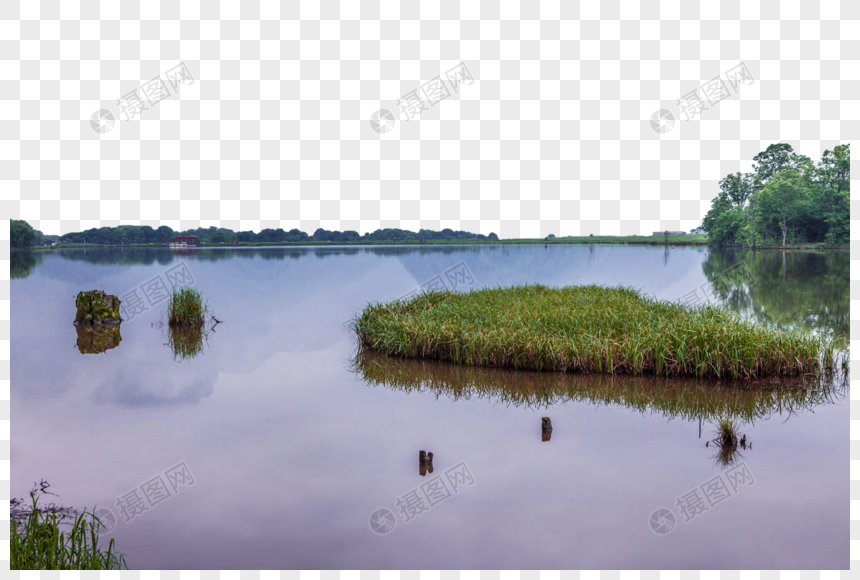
x,y
136,387
297,304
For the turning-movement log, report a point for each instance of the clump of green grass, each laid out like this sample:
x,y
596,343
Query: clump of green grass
x,y
59,539
185,308
591,329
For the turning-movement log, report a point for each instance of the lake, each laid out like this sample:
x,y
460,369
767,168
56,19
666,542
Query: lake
x,y
270,444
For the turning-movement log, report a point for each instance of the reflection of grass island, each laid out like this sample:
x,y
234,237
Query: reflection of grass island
x,y
592,329
711,400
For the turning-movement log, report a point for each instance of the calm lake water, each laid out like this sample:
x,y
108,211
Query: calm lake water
x,y
292,443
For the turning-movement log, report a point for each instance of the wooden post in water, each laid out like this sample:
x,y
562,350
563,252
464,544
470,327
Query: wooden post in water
x,y
425,462
546,429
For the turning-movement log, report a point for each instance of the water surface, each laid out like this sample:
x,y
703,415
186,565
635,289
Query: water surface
x,y
292,444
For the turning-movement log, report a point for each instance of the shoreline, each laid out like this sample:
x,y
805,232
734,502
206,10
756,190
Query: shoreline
x,y
527,241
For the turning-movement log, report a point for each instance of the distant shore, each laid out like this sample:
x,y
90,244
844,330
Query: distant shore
x,y
678,240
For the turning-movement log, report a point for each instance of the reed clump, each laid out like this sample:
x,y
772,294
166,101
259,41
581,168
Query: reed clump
x,y
589,329
185,308
59,539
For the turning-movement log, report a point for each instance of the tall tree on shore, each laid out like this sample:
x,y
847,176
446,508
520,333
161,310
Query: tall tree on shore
x,y
832,178
807,203
21,234
782,199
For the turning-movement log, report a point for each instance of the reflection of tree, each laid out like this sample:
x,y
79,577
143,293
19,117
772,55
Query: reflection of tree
x,y
165,256
792,289
22,264
118,256
682,398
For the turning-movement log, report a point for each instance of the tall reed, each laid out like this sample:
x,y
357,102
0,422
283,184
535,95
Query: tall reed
x,y
57,540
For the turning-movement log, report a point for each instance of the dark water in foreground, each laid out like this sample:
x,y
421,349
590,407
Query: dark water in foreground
x,y
292,443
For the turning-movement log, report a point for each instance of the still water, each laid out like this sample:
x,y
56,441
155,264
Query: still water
x,y
288,442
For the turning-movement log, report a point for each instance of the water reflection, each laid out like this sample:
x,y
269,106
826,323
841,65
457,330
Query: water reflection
x,y
307,421
187,342
791,289
710,401
97,339
22,264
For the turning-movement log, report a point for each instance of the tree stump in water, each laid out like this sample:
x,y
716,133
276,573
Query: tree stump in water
x,y
95,308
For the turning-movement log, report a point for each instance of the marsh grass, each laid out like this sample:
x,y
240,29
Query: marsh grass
x,y
727,433
185,308
678,397
726,442
590,329
59,539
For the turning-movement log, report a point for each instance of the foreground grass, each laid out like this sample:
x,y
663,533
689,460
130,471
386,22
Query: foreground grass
x,y
682,398
592,329
58,540
185,308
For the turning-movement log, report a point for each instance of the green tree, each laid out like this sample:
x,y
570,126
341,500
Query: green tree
x,y
21,234
164,234
832,177
776,158
218,238
737,187
782,200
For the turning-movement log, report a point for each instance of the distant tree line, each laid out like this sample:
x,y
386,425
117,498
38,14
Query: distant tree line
x,y
212,235
785,200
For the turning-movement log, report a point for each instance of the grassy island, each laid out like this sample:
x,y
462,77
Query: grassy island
x,y
592,329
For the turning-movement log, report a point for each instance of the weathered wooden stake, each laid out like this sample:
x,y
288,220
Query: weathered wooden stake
x,y
546,429
425,462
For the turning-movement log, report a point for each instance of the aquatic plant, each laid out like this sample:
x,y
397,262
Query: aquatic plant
x,y
591,329
677,397
58,539
726,434
185,308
